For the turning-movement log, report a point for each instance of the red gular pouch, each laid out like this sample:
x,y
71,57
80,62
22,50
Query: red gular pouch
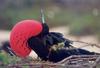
x,y
20,33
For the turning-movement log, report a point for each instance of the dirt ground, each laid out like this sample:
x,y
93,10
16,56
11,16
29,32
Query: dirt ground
x,y
4,35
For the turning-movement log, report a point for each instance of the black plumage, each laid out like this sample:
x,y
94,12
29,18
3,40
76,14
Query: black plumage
x,y
6,47
43,46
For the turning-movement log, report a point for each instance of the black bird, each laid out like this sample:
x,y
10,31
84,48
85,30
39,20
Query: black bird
x,y
46,43
46,40
31,35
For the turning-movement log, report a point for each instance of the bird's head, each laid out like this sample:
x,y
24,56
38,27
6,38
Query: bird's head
x,y
20,34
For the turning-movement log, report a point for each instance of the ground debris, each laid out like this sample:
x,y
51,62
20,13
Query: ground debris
x,y
75,61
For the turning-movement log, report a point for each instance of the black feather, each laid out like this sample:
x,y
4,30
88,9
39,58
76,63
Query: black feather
x,y
42,44
6,47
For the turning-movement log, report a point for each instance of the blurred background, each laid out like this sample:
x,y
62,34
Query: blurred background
x,y
76,19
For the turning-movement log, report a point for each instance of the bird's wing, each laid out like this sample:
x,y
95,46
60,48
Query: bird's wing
x,y
55,38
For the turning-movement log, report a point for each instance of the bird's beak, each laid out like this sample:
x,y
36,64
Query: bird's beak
x,y
33,55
